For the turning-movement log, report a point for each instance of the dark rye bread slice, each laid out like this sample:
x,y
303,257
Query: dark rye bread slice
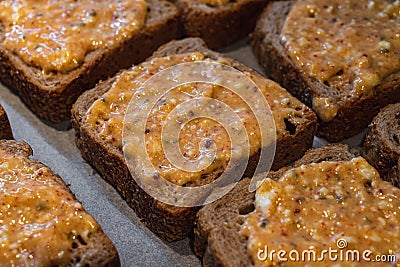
x,y
217,238
352,116
382,143
50,96
98,250
5,128
219,25
173,223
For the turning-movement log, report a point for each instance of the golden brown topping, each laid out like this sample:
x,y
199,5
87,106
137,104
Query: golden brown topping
x,y
339,205
350,46
107,114
57,35
40,221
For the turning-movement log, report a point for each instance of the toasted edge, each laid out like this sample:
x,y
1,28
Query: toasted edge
x,y
99,251
51,97
221,25
217,238
382,144
175,221
169,222
5,128
351,118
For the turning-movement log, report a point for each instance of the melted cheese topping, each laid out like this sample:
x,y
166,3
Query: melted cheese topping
x,y
313,206
106,116
56,35
39,219
351,45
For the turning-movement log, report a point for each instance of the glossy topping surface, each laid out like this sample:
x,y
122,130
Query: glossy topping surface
x,y
313,206
40,221
56,35
350,46
106,116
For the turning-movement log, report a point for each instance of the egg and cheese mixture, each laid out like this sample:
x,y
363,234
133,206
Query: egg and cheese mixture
x,y
107,114
313,206
40,221
56,35
347,45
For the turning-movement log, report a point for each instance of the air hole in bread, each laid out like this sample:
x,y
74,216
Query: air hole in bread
x,y
324,159
368,186
148,9
326,83
241,219
80,239
246,209
78,259
290,127
74,245
396,138
340,72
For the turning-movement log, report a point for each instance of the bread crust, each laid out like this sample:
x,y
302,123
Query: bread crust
x,y
99,250
51,96
353,116
221,25
169,222
217,238
382,144
5,128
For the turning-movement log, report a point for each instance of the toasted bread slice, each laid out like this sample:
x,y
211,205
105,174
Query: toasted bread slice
x,y
352,116
5,128
221,24
217,238
84,249
382,143
173,223
50,96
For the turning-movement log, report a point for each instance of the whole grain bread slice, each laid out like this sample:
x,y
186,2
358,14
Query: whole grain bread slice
x,y
219,25
170,222
217,238
50,96
5,128
97,249
352,117
382,143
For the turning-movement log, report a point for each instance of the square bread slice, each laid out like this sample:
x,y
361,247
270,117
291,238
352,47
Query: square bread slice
x,y
217,238
60,245
219,22
50,96
353,115
5,128
170,222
